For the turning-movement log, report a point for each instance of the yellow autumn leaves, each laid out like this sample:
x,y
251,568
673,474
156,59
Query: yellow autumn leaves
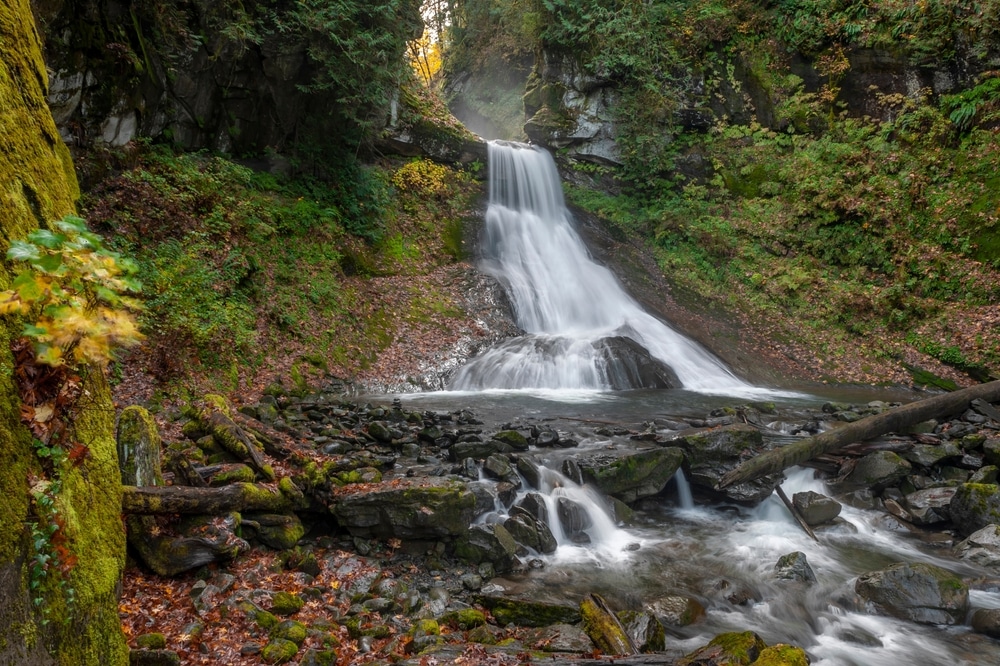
x,y
75,290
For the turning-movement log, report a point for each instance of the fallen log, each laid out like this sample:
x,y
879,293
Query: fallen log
x,y
892,420
149,500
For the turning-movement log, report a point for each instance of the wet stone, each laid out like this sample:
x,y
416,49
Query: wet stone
x,y
794,566
815,508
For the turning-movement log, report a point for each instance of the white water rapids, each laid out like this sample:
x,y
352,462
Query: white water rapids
x,y
565,302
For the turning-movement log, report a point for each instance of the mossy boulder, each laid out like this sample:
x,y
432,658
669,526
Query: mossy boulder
x,y
488,543
631,476
290,630
465,619
278,531
877,471
314,657
424,634
974,506
427,508
918,592
265,619
279,651
527,613
513,439
782,655
709,454
731,649
286,603
138,443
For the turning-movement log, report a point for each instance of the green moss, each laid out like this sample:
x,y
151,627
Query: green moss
x,y
279,651
782,655
239,473
733,648
265,620
291,630
465,619
286,603
603,627
154,641
425,628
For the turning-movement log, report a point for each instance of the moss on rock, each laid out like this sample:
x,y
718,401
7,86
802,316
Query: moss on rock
x,y
279,651
782,655
286,603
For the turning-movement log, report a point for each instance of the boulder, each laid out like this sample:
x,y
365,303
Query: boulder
x,y
632,475
676,611
278,531
928,455
782,655
559,638
712,453
573,519
488,543
794,566
974,506
731,649
816,509
930,506
427,508
529,532
982,547
987,621
644,629
918,592
878,470
628,365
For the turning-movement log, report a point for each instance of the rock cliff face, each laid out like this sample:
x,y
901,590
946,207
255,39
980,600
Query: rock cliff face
x,y
194,73
568,107
46,625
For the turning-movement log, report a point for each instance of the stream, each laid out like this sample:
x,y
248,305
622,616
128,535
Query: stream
x,y
590,355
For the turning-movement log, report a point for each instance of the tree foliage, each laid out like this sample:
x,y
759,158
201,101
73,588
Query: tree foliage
x,y
75,290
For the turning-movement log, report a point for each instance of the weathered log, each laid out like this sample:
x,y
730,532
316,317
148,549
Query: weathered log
x,y
232,438
210,501
891,420
275,443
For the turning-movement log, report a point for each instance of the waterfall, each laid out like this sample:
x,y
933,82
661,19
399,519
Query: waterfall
x,y
582,331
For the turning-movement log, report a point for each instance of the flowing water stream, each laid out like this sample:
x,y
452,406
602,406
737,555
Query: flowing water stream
x,y
563,371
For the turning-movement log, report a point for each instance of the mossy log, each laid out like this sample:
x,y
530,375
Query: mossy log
x,y
891,420
232,437
208,501
604,627
274,443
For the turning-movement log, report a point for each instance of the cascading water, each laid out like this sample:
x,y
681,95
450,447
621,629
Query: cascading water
x,y
582,330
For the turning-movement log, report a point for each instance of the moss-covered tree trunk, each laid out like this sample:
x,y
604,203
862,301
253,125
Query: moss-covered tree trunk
x,y
37,185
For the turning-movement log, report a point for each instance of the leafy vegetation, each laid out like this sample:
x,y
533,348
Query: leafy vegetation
x,y
74,289
241,267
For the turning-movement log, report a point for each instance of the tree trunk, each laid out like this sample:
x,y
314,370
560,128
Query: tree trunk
x,y
210,501
892,420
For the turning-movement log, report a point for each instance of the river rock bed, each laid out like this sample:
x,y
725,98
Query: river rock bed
x,y
404,516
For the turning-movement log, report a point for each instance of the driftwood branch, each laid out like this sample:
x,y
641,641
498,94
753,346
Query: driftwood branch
x,y
210,501
795,513
892,420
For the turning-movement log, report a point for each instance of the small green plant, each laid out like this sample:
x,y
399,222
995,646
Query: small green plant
x,y
51,561
75,290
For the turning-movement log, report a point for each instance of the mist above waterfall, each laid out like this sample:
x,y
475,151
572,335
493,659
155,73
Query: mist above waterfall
x,y
582,331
